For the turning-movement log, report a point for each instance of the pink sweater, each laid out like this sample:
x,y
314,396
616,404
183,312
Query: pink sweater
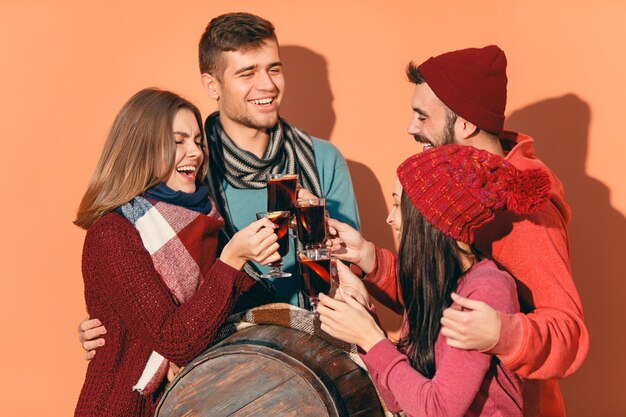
x,y
548,339
466,383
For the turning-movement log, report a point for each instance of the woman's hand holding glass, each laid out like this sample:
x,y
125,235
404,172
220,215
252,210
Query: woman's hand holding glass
x,y
348,244
349,320
352,286
347,317
255,242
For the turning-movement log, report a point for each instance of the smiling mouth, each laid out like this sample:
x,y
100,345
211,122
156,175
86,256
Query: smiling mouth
x,y
426,144
187,171
262,101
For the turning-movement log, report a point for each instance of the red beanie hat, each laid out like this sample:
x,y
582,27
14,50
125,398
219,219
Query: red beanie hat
x,y
472,83
458,188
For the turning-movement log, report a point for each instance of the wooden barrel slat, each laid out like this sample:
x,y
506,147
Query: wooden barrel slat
x,y
278,402
221,371
268,370
336,367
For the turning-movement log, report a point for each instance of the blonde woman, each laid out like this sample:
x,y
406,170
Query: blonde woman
x,y
150,264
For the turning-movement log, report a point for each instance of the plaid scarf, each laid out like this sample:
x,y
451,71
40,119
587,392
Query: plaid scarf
x,y
166,231
289,151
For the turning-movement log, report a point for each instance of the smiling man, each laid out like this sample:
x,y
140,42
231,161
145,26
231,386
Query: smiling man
x,y
242,70
460,97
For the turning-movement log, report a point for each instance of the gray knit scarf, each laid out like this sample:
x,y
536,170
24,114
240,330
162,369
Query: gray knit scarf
x,y
289,151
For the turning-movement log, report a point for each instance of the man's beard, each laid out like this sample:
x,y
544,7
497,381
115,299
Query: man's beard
x,y
446,138
253,123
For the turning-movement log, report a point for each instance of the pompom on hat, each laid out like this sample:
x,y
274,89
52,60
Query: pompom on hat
x,y
472,83
459,188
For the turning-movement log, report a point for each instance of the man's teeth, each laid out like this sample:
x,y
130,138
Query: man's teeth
x,y
263,101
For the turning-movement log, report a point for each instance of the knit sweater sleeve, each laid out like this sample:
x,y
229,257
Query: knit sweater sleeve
x,y
119,269
459,373
551,341
382,282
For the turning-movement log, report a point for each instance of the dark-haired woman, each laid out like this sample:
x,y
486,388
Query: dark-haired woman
x,y
441,197
150,265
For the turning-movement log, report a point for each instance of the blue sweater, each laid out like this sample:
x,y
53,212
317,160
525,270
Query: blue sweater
x,y
337,188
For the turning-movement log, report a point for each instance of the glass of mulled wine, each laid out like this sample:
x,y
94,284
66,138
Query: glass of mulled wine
x,y
281,219
281,192
319,274
311,222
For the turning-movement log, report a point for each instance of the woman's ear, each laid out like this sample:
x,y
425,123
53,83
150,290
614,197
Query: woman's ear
x,y
211,85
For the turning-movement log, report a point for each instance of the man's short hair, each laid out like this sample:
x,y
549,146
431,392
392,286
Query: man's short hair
x,y
231,32
413,74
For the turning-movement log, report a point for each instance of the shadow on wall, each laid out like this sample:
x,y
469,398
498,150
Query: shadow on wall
x,y
308,104
560,127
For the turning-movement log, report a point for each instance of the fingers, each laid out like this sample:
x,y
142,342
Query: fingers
x,y
88,355
346,276
344,270
91,345
456,344
88,324
455,315
351,300
91,334
304,194
351,293
336,246
467,303
455,339
451,324
259,226
330,302
336,225
269,255
265,238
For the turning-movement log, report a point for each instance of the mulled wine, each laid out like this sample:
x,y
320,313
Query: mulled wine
x,y
311,221
319,273
281,219
281,191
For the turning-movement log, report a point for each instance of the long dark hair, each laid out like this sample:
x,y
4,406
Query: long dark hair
x,y
429,267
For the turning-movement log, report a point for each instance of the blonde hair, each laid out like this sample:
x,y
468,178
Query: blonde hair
x,y
139,152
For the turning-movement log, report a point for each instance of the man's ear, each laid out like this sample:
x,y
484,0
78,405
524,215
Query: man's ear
x,y
211,85
465,129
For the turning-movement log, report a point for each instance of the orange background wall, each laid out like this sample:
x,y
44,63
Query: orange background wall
x,y
67,66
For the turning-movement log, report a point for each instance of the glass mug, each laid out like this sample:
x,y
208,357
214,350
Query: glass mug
x,y
280,218
281,191
319,274
311,222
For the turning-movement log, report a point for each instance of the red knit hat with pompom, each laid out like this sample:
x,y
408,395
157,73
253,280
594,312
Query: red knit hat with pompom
x,y
458,188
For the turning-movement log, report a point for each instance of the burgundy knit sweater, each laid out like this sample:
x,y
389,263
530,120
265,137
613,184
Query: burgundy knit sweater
x,y
123,290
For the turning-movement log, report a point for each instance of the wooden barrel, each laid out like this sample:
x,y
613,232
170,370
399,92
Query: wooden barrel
x,y
268,370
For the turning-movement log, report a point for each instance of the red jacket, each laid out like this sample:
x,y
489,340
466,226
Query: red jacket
x,y
549,339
